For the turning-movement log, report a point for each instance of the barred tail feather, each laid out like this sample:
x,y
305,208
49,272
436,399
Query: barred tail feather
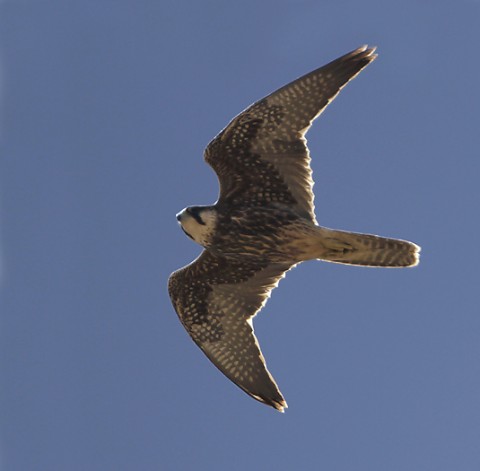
x,y
368,250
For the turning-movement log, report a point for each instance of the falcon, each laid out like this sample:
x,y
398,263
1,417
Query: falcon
x,y
263,224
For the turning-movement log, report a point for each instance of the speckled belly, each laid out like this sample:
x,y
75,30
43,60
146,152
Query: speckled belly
x,y
275,234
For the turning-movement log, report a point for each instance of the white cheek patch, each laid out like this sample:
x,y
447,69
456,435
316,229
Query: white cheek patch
x,y
210,219
200,233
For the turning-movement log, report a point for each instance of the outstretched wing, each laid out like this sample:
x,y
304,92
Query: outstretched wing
x,y
262,155
216,299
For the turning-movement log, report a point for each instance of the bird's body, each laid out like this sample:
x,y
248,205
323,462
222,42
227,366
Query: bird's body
x,y
263,224
278,234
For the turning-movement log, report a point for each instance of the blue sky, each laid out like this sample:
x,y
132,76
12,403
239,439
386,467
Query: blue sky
x,y
106,108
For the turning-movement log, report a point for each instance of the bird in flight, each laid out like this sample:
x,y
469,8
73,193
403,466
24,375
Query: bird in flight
x,y
263,224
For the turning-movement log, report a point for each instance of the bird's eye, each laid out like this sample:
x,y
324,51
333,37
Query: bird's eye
x,y
195,213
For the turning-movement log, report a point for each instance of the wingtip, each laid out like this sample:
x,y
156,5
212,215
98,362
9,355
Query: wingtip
x,y
281,406
363,55
367,52
278,404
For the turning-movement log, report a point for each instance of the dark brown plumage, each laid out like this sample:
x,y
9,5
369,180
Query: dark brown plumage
x,y
263,224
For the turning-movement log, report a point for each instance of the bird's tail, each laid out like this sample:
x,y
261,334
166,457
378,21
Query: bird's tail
x,y
366,249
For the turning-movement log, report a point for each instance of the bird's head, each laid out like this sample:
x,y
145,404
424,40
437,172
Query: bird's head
x,y
198,222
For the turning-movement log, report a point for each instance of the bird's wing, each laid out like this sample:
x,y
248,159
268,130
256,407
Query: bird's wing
x,y
262,155
216,299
